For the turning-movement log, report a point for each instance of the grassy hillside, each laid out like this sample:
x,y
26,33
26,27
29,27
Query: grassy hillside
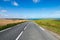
x,y
52,25
5,22
9,23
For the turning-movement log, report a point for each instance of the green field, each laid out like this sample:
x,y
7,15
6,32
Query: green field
x,y
52,25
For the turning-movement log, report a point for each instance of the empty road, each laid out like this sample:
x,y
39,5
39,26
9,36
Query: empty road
x,y
26,31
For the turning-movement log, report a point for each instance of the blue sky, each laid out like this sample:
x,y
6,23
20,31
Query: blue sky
x,y
29,8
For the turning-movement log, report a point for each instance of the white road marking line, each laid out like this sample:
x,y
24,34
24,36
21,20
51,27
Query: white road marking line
x,y
42,28
25,28
5,29
19,35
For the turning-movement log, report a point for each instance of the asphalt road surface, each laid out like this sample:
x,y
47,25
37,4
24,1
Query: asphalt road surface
x,y
26,31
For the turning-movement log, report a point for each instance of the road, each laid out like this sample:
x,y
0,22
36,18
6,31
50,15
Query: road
x,y
26,31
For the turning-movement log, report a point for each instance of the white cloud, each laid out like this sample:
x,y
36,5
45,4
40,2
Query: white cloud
x,y
36,1
15,4
3,11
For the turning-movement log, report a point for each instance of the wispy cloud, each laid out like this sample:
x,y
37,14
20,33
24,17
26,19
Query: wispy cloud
x,y
4,11
6,0
15,3
55,14
36,1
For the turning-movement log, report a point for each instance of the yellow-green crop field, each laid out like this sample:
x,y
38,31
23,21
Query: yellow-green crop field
x,y
52,25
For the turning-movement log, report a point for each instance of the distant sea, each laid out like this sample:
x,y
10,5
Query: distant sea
x,y
30,18
43,18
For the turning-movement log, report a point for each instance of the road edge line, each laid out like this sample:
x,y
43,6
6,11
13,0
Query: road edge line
x,y
8,28
5,30
54,34
40,26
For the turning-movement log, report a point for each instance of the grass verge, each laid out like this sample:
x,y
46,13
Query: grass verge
x,y
52,25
